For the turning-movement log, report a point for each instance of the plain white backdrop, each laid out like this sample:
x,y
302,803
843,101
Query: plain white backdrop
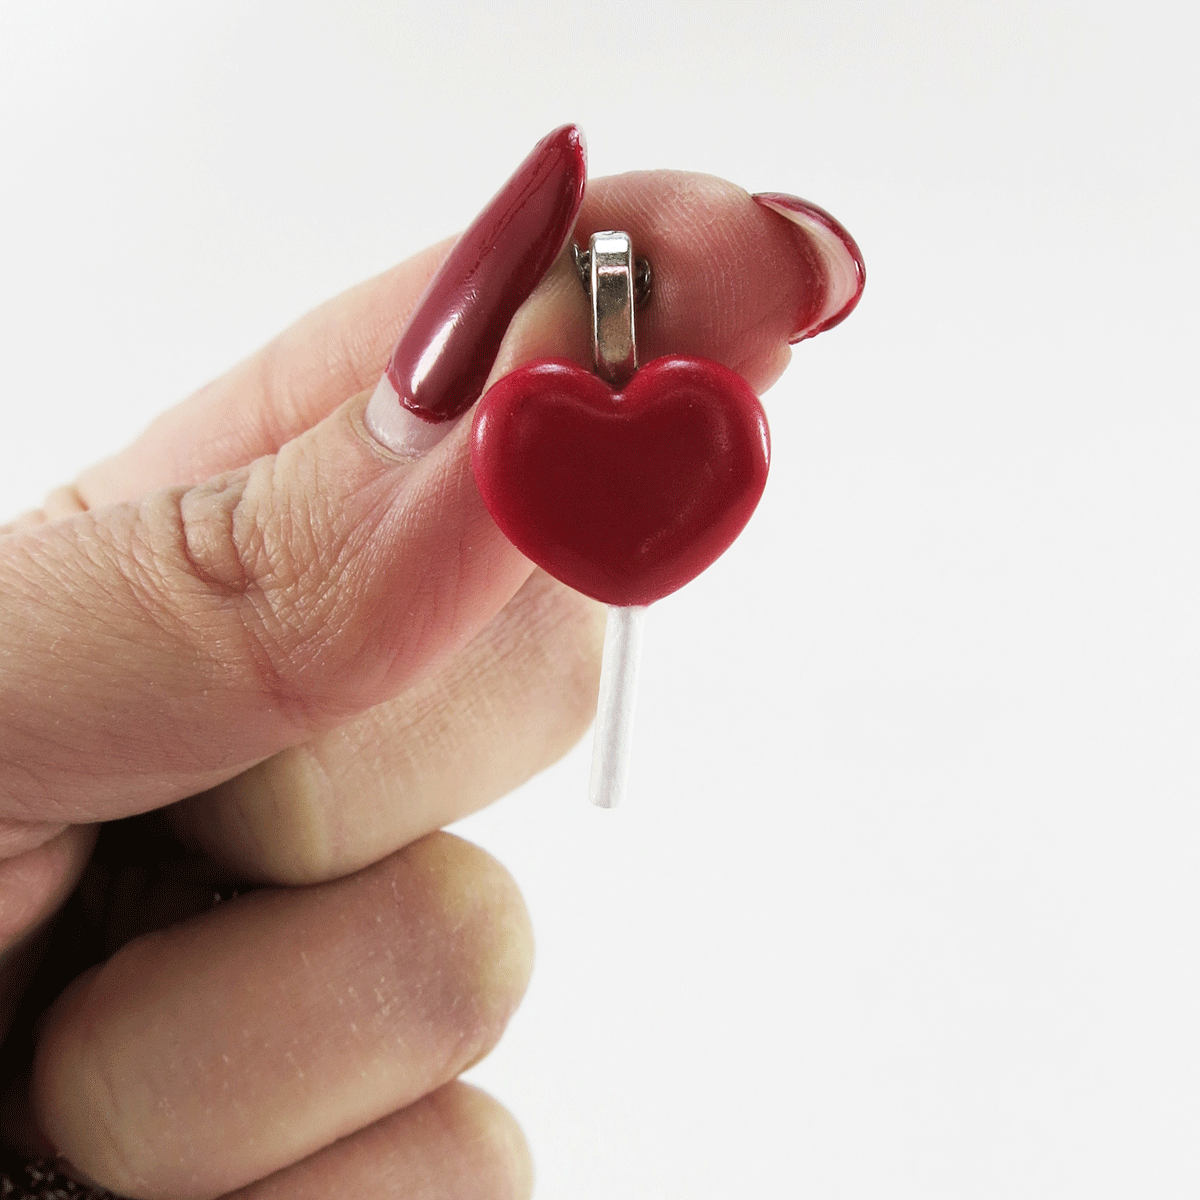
x,y
905,899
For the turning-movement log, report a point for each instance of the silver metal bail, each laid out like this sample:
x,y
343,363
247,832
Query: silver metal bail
x,y
614,342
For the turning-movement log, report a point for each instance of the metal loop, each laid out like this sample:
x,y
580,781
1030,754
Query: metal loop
x,y
614,337
642,275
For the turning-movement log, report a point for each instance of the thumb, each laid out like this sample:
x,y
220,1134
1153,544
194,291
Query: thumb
x,y
152,649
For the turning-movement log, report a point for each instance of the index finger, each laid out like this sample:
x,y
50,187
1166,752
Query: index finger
x,y
341,347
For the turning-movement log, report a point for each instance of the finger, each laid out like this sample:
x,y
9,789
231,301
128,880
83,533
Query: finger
x,y
166,644
456,1144
450,339
233,1045
705,303
510,704
288,386
154,649
732,280
727,279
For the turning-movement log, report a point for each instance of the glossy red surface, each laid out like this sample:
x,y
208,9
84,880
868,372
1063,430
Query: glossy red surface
x,y
443,357
624,496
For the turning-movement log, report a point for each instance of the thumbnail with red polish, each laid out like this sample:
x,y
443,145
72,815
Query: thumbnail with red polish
x,y
442,359
834,259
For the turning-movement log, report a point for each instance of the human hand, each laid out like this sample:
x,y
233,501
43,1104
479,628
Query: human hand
x,y
269,652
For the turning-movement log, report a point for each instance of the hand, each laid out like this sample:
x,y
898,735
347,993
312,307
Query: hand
x,y
272,657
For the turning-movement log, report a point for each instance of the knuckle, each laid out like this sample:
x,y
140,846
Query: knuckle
x,y
224,549
269,822
62,502
66,501
251,541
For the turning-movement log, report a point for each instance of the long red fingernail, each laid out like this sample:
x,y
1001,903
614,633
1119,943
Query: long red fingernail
x,y
443,357
839,274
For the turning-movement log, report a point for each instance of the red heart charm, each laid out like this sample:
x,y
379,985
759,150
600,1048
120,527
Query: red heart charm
x,y
624,496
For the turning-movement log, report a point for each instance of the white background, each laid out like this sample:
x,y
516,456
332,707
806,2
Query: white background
x,y
904,902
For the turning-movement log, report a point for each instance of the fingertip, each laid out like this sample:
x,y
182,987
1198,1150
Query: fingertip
x,y
731,282
839,272
489,1136
493,935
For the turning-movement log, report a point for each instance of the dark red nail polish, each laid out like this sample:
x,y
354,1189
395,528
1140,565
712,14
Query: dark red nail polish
x,y
443,357
834,258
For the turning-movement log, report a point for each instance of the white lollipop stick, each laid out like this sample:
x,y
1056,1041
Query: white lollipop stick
x,y
618,699
610,284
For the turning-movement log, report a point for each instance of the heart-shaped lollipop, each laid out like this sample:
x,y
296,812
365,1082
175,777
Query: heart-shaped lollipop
x,y
624,495
624,484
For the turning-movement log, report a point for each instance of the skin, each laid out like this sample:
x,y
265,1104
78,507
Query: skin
x,y
291,657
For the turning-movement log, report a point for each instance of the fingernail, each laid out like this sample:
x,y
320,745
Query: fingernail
x,y
439,366
836,261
